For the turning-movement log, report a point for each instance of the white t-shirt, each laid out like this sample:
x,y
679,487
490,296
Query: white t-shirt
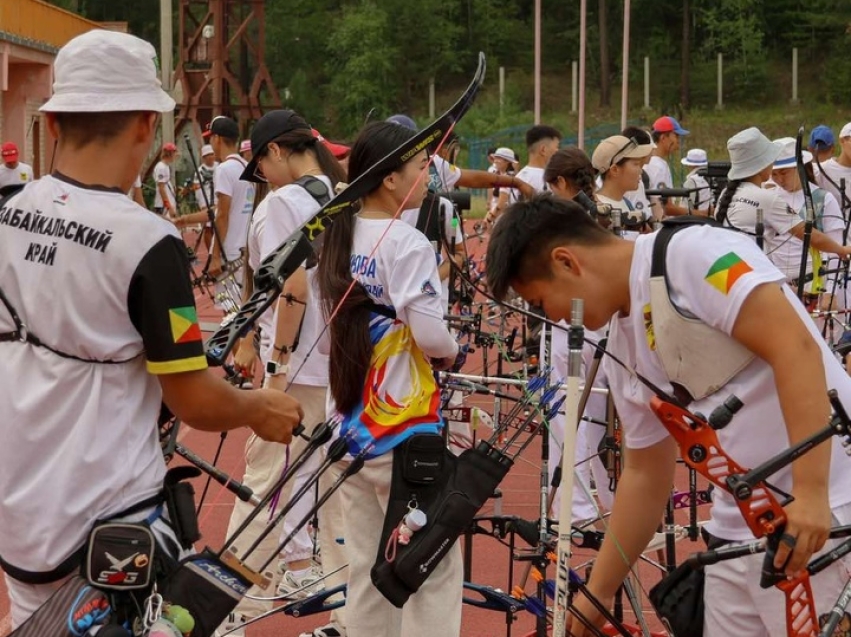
x,y
241,193
255,249
395,264
411,216
205,192
836,172
162,175
287,209
640,201
531,175
79,438
659,172
830,222
443,176
715,271
623,206
782,248
700,199
20,174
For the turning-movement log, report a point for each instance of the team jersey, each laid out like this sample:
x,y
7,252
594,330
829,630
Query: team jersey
x,y
783,248
287,209
227,182
255,249
412,215
162,175
94,276
711,272
640,201
625,206
831,178
659,172
20,174
443,176
395,264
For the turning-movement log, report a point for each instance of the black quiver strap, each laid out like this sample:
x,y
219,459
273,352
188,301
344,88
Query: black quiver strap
x,y
463,486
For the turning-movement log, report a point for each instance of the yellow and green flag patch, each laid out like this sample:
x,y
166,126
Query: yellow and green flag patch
x,y
726,271
184,324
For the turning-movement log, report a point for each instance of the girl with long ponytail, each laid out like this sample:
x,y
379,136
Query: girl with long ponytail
x,y
380,288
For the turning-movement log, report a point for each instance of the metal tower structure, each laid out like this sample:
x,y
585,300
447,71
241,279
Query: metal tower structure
x,y
221,68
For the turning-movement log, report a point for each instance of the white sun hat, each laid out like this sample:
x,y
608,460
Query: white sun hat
x,y
787,159
695,157
104,72
750,152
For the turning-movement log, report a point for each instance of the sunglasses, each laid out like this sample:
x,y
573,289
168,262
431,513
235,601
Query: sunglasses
x,y
632,143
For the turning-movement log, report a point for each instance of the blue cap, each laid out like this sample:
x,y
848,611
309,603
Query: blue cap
x,y
667,124
822,137
403,120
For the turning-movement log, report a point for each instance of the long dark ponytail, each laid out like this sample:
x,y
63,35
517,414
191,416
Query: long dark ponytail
x,y
726,199
351,347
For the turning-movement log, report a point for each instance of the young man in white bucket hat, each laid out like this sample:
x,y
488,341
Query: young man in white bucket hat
x,y
97,328
752,158
700,199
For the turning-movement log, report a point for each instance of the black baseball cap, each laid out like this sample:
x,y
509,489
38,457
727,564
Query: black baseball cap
x,y
223,127
267,129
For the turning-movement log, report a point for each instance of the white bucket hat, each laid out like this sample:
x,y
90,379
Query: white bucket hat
x,y
505,153
750,152
695,157
104,72
787,155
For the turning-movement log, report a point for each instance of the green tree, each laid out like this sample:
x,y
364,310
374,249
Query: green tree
x,y
362,64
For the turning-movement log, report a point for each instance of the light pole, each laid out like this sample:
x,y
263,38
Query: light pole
x,y
537,61
166,65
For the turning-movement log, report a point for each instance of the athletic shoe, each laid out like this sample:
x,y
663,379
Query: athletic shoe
x,y
293,587
232,627
328,630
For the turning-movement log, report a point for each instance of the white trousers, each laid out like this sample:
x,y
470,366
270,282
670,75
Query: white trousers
x,y
736,605
264,465
434,611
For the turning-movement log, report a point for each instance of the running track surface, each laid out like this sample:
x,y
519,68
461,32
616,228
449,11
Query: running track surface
x,y
490,560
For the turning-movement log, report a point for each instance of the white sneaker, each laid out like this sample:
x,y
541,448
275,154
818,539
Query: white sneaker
x,y
232,627
293,587
328,630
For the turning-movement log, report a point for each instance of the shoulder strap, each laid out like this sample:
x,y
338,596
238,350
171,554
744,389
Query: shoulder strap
x,y
669,228
428,221
315,187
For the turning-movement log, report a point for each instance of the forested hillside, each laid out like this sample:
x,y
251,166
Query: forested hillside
x,y
342,58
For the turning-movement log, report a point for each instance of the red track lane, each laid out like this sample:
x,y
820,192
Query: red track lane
x,y
490,560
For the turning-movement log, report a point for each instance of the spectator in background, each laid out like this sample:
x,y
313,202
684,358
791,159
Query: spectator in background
x,y
136,193
835,173
640,201
700,199
165,200
542,142
13,172
504,160
245,149
822,144
666,135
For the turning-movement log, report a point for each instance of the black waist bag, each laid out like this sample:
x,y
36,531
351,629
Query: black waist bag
x,y
450,490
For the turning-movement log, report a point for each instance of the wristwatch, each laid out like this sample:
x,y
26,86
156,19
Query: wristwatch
x,y
276,369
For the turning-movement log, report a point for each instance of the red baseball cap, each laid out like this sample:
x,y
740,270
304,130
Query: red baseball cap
x,y
169,147
9,151
338,150
667,124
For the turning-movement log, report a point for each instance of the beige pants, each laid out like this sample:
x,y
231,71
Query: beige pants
x,y
264,464
434,611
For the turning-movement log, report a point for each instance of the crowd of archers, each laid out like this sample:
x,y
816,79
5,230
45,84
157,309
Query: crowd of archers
x,y
723,296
